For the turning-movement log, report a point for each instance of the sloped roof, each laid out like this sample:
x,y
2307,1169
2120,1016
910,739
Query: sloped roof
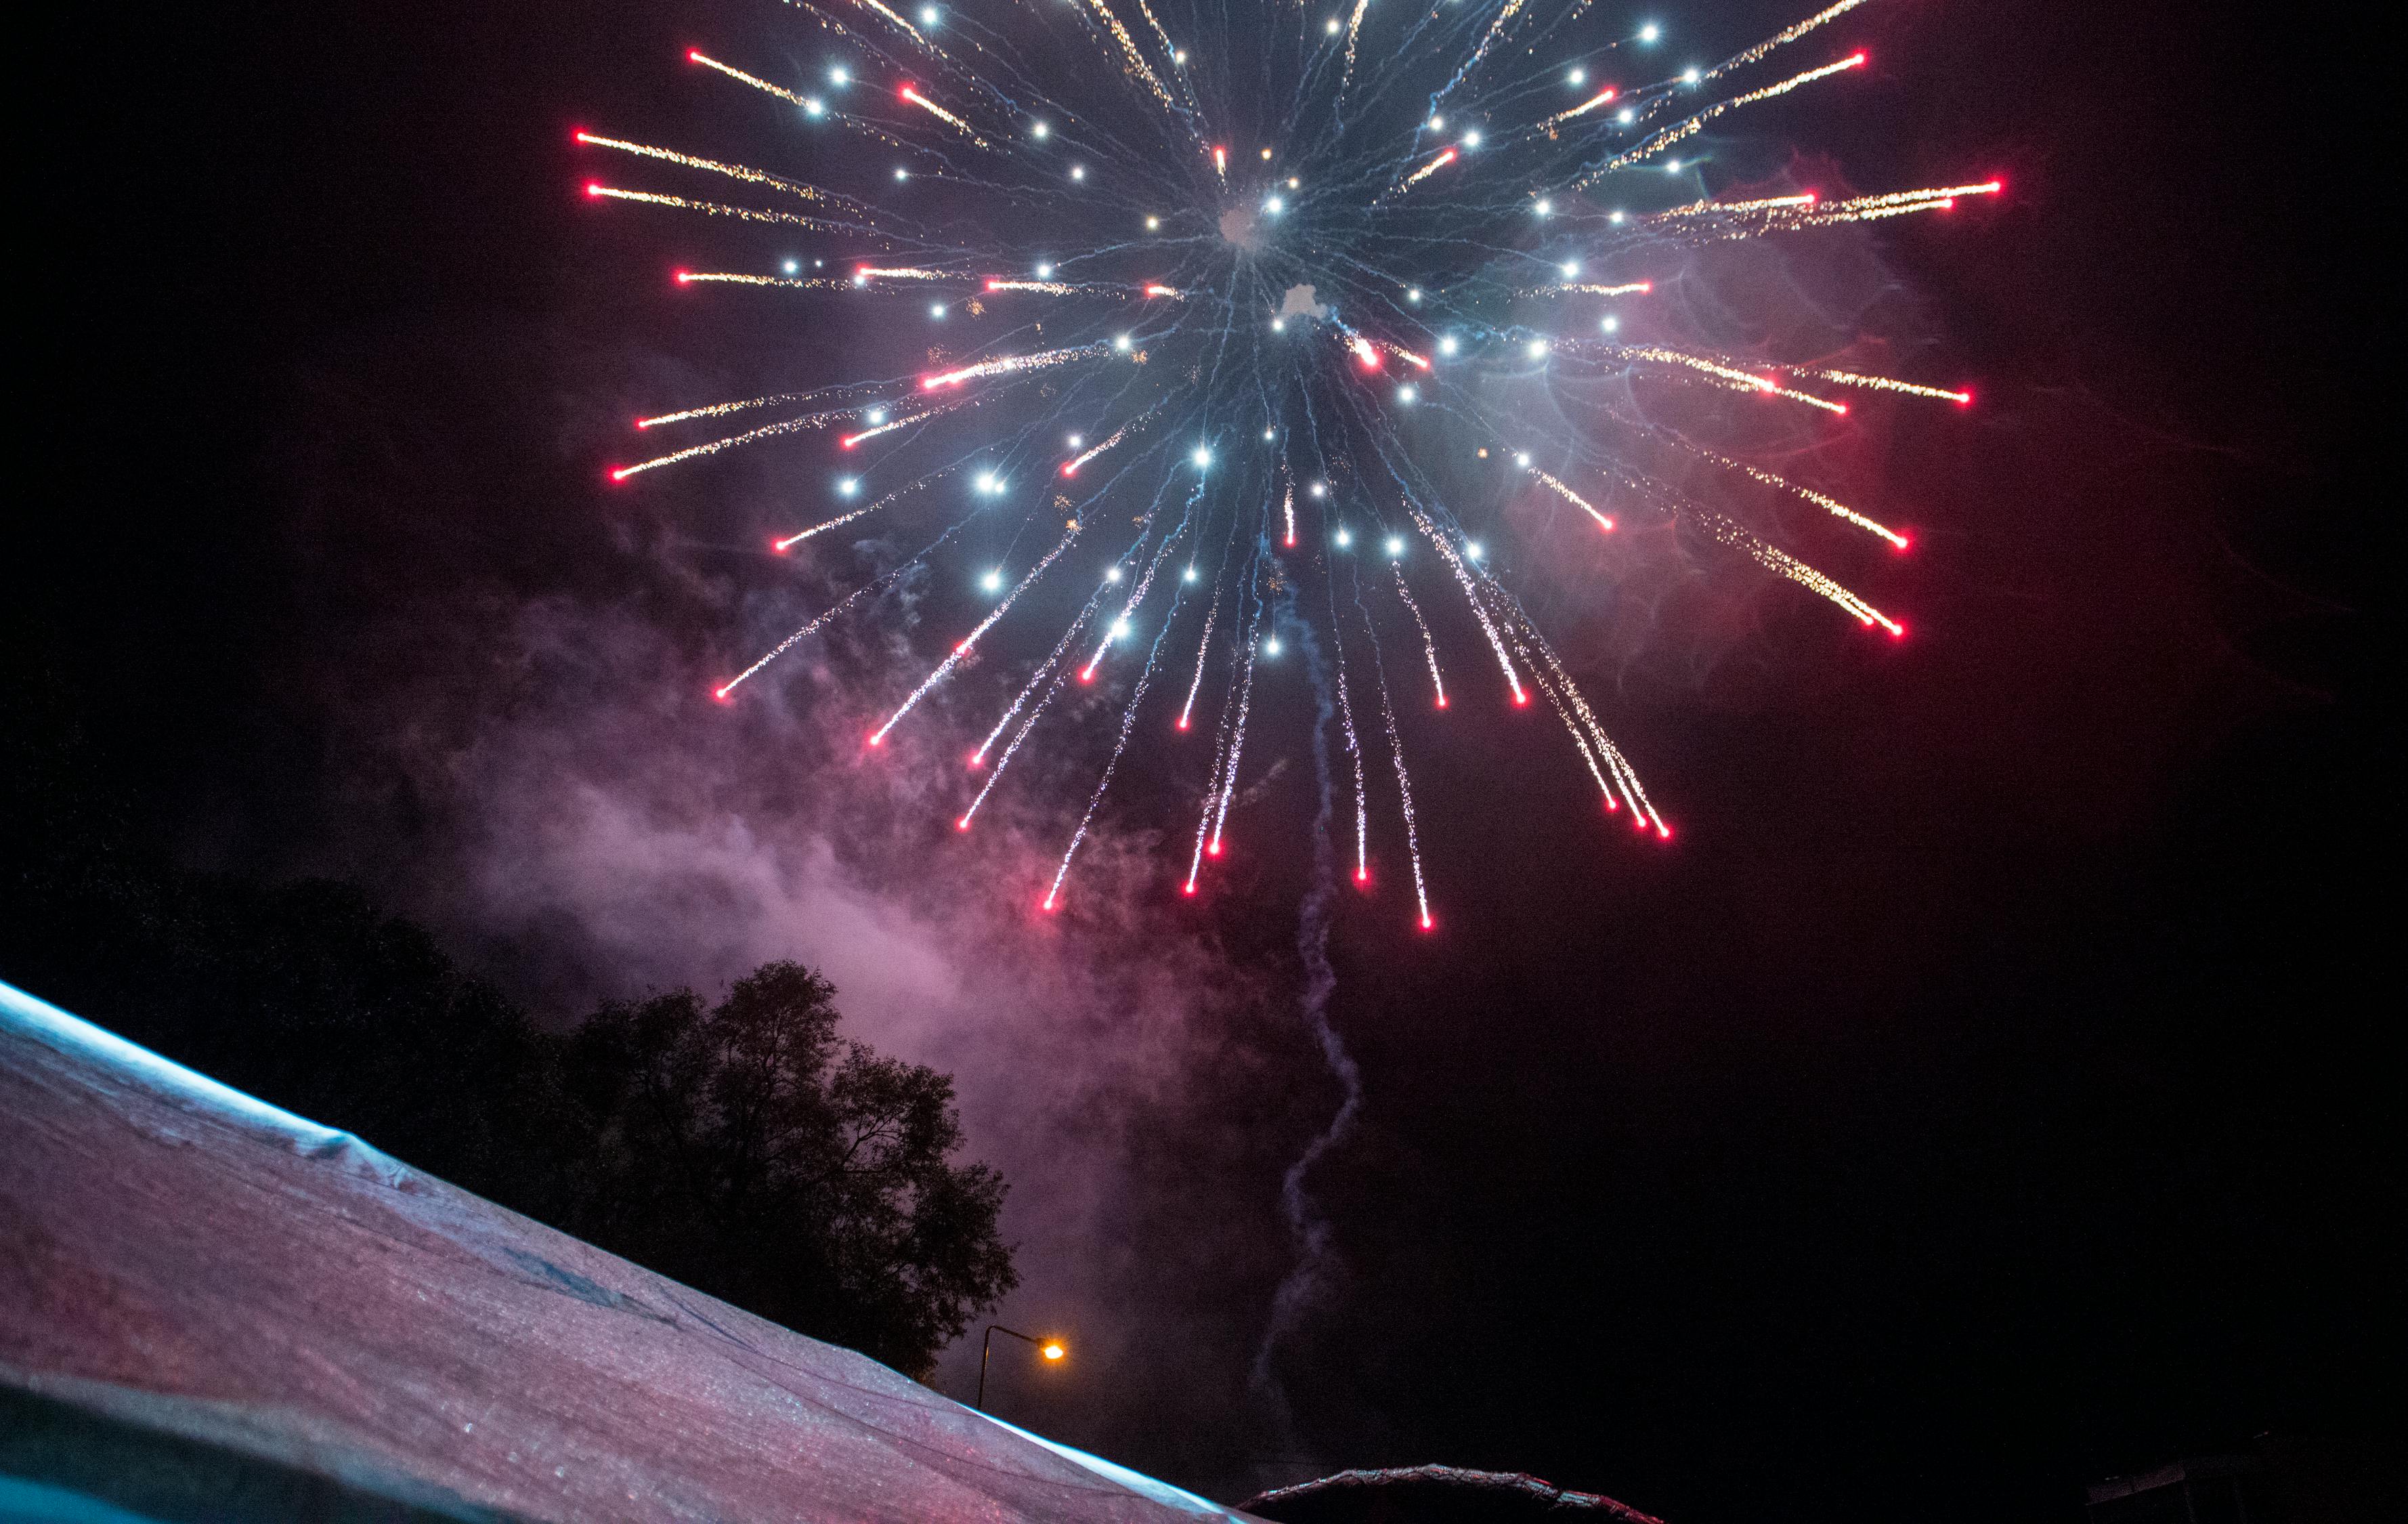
x,y
244,1302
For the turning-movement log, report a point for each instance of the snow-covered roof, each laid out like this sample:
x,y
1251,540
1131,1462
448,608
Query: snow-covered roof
x,y
240,1300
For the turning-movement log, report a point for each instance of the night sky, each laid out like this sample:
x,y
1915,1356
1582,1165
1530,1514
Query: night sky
x,y
1979,1095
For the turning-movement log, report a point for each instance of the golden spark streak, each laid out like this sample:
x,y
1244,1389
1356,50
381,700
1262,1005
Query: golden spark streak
x,y
1574,499
714,209
733,171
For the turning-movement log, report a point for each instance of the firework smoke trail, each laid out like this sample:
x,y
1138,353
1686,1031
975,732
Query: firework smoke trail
x,y
1312,1234
952,658
1429,647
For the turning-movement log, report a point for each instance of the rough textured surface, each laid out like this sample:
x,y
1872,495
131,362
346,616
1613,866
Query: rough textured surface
x,y
181,1261
1435,1495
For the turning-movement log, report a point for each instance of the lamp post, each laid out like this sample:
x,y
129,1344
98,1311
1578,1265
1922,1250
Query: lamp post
x,y
1053,1349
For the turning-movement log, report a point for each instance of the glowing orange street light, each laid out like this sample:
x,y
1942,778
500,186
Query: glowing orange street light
x,y
1052,1350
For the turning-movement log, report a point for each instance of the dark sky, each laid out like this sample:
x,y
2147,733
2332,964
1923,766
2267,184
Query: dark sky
x,y
1980,1096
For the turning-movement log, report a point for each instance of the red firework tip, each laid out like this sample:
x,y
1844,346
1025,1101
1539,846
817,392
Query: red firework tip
x,y
1048,906
1965,397
963,824
1069,468
1611,808
1182,722
1362,875
721,694
1903,541
1441,700
617,473
1663,832
1842,407
1189,887
1856,58
1521,698
591,188
1427,924
683,277
694,55
1606,527
777,547
876,739
1898,632
1291,540
847,442
1087,676
577,135
1213,851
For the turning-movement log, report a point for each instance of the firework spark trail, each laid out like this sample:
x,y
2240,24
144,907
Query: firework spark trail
x,y
1731,209
1242,669
1574,499
1429,647
1354,747
1603,97
1638,288
1203,650
733,277
1445,158
1119,626
757,83
865,274
1731,375
912,94
1404,782
1616,764
715,208
1463,577
1781,39
1014,365
1071,467
888,427
978,758
1137,63
733,171
1238,735
1886,383
1287,503
953,657
1693,124
767,431
878,585
1774,559
822,527
721,409
1128,723
1831,505
1354,30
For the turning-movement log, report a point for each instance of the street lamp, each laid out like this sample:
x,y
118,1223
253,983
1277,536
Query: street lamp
x,y
1052,1349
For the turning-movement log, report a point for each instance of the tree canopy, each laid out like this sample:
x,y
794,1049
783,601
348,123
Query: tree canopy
x,y
744,1147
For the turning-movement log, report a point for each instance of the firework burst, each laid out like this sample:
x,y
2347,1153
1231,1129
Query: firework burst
x,y
1245,289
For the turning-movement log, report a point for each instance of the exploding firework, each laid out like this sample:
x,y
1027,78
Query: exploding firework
x,y
1239,316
